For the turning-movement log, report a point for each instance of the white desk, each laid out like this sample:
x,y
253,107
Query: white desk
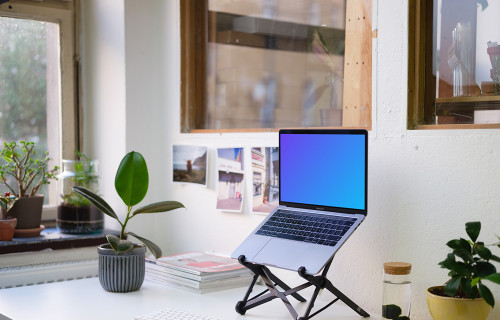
x,y
85,299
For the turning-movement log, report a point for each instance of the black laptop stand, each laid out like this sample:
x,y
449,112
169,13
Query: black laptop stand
x,y
271,281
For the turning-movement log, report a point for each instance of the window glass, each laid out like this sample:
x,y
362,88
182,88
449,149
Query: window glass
x,y
275,63
29,84
466,61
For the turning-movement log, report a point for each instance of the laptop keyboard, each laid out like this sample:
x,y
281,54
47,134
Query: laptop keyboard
x,y
291,225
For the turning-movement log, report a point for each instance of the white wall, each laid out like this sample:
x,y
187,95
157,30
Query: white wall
x,y
423,185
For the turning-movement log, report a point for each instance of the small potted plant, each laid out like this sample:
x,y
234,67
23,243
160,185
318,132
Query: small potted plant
x,y
75,214
7,225
466,295
23,174
122,262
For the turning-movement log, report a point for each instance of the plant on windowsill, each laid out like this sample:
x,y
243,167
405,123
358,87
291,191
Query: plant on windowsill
x,y
470,271
75,214
24,174
122,262
7,225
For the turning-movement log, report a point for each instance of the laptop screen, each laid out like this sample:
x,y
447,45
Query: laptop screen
x,y
324,169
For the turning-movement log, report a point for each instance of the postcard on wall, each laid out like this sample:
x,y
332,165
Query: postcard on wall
x,y
190,164
231,186
265,175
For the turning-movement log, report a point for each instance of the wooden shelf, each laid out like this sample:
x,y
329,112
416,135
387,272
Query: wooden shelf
x,y
482,98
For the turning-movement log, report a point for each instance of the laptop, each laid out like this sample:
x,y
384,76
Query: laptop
x,y
322,199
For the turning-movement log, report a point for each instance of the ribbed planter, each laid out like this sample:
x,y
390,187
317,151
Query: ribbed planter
x,y
123,272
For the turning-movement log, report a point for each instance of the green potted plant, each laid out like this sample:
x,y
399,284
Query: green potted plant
x,y
75,214
7,225
23,174
122,262
466,295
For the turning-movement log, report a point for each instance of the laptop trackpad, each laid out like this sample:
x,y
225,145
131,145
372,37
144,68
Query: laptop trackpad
x,y
285,253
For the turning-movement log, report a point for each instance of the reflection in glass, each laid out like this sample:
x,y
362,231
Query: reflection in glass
x,y
275,63
465,55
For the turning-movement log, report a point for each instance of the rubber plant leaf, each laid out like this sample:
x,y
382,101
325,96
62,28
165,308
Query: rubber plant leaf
x,y
486,294
132,179
155,250
494,277
162,206
96,200
119,245
473,229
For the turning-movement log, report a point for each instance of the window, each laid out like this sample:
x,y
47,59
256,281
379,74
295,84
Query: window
x,y
257,65
454,64
38,94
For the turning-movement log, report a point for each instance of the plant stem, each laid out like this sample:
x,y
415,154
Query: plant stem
x,y
122,233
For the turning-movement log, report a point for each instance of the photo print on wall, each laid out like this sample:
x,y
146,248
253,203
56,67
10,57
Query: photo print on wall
x,y
190,164
231,186
265,175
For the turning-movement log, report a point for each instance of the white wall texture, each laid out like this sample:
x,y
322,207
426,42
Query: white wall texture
x,y
423,185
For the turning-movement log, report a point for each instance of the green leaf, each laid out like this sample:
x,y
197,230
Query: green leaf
x,y
473,229
97,201
464,254
162,206
466,286
484,269
495,277
391,311
119,245
459,244
486,295
132,179
458,267
495,258
483,252
474,282
452,286
155,250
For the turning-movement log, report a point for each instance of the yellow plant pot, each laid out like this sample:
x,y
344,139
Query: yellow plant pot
x,y
449,308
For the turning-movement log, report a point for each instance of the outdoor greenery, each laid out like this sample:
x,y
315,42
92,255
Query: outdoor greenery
x,y
23,84
131,184
473,267
22,173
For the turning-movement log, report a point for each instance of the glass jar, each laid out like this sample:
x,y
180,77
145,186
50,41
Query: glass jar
x,y
75,214
396,298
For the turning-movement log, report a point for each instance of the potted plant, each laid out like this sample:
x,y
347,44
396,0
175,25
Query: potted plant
x,y
75,214
23,174
466,295
122,262
7,225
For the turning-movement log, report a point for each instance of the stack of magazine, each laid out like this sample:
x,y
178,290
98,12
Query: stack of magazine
x,y
198,272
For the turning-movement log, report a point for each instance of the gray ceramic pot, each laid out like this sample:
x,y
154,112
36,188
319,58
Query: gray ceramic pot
x,y
122,272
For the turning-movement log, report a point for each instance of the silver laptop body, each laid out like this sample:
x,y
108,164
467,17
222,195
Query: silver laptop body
x,y
323,199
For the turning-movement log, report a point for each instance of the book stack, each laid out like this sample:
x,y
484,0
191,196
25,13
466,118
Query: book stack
x,y
198,272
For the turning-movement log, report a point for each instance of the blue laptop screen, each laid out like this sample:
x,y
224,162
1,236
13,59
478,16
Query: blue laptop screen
x,y
323,169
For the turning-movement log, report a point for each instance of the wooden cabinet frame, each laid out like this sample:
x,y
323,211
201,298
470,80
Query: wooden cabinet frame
x,y
357,96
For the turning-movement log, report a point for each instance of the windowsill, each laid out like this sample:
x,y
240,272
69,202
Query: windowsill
x,y
51,238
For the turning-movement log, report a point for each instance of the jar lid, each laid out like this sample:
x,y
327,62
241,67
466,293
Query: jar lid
x,y
397,268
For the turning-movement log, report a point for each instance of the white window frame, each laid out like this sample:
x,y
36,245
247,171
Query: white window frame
x,y
62,12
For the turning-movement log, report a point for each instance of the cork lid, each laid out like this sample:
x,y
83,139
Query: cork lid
x,y
397,268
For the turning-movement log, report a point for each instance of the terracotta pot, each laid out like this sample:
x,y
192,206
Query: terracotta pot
x,y
444,308
7,229
28,211
121,272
